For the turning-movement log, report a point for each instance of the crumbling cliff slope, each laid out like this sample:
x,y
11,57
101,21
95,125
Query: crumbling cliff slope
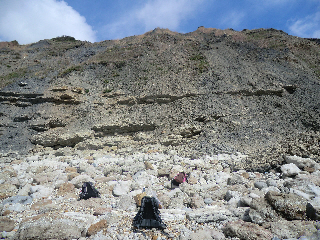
x,y
206,92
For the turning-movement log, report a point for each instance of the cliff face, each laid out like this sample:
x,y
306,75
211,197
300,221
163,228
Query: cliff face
x,y
210,91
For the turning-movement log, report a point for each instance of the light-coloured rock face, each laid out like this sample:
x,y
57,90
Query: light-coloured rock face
x,y
217,202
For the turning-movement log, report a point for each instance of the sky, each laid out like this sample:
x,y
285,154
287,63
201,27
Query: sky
x,y
29,21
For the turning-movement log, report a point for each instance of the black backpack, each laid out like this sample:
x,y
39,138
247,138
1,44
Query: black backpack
x,y
148,215
88,191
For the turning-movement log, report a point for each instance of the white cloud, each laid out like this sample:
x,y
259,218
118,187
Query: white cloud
x,y
306,27
29,21
153,14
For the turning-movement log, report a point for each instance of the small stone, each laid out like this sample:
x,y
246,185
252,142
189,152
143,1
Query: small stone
x,y
100,211
163,172
66,189
40,204
40,191
70,169
6,224
197,202
208,201
201,235
290,170
309,169
148,165
260,185
6,212
80,179
256,217
192,180
271,182
121,188
96,227
232,194
7,190
235,179
245,175
126,203
245,201
72,175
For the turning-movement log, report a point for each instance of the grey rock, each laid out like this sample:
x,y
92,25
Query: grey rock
x,y
290,170
168,215
126,203
122,188
80,179
40,191
271,183
314,236
206,234
260,184
256,217
235,179
49,229
197,202
144,179
261,211
232,194
18,199
300,162
206,215
245,201
292,229
245,230
208,201
179,199
271,188
291,206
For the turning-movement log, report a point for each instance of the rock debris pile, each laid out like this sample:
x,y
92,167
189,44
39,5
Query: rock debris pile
x,y
40,197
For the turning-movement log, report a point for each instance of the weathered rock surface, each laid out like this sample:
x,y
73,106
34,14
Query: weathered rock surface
x,y
291,206
49,229
292,229
229,91
245,230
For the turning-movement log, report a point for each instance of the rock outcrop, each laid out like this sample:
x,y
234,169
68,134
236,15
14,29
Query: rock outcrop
x,y
205,92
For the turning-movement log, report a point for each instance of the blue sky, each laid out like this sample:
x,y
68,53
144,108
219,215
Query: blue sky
x,y
29,21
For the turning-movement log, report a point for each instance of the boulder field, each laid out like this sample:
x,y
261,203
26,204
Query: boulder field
x,y
40,197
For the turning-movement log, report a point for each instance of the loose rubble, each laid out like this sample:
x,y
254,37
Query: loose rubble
x,y
39,197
